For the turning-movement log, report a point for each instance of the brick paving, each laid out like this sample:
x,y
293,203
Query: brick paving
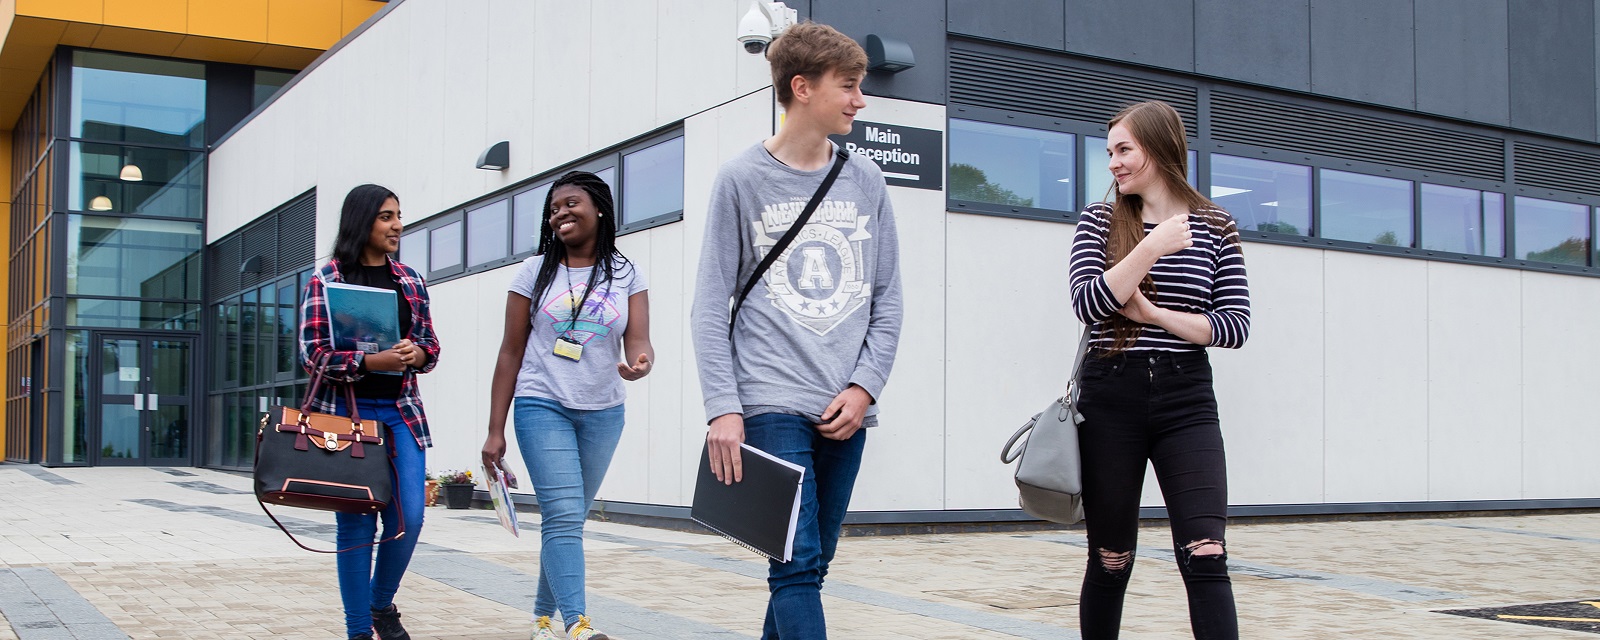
x,y
164,556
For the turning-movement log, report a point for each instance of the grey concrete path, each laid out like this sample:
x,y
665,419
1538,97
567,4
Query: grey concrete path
x,y
186,553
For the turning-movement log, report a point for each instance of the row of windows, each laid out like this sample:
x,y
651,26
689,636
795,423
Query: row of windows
x,y
505,227
997,168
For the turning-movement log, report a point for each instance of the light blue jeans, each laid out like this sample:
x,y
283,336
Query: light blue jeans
x,y
567,452
364,587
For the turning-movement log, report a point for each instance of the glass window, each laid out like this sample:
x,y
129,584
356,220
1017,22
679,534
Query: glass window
x,y
608,175
652,181
75,427
486,232
1097,176
249,318
414,250
528,209
1011,166
133,257
232,348
152,182
288,326
121,98
446,244
1362,208
267,84
266,343
1549,231
133,314
1462,220
1262,195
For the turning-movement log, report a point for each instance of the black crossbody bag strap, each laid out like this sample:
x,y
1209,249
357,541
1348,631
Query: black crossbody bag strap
x,y
788,236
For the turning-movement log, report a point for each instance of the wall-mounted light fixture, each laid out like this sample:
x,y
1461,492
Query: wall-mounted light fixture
x,y
497,157
888,55
252,265
100,203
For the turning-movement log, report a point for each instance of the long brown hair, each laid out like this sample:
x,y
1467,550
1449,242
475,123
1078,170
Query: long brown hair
x,y
1158,130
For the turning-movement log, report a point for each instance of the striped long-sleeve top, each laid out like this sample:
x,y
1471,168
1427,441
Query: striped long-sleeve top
x,y
1208,278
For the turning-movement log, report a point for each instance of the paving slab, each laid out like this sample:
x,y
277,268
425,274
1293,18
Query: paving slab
x,y
187,553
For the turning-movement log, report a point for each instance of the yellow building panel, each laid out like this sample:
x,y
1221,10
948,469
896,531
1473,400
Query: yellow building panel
x,y
154,43
171,16
11,105
89,11
231,19
357,12
79,34
30,42
311,24
278,57
217,50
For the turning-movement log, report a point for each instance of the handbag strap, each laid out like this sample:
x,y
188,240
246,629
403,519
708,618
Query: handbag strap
x,y
1077,362
1010,452
841,157
316,384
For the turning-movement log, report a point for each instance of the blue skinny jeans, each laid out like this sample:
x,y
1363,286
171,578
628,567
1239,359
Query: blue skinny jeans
x,y
794,609
567,452
362,586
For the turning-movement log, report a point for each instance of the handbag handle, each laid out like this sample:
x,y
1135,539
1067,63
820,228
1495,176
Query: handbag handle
x,y
1007,456
316,384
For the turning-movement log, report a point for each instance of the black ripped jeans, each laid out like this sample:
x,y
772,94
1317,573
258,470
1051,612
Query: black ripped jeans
x,y
1156,406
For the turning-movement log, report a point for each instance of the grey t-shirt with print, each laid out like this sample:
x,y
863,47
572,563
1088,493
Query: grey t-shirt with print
x,y
591,382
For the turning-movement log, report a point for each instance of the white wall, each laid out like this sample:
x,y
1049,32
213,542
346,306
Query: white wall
x,y
1367,378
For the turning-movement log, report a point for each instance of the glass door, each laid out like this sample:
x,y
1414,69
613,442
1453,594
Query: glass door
x,y
145,406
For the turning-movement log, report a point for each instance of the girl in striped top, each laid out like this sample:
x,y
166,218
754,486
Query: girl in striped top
x,y
1158,275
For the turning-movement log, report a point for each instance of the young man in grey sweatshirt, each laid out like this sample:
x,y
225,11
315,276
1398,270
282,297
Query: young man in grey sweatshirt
x,y
816,338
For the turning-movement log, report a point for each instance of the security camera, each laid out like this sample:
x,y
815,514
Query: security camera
x,y
763,22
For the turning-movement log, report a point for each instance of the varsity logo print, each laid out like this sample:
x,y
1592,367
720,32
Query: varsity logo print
x,y
598,315
819,280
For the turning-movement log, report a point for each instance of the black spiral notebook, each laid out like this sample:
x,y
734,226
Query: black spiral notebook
x,y
758,512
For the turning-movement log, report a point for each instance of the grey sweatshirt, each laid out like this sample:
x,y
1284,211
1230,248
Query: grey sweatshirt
x,y
826,314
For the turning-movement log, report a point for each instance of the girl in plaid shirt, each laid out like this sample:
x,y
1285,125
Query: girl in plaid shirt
x,y
385,388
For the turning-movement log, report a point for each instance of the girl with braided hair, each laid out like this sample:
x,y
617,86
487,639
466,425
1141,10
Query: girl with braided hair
x,y
577,324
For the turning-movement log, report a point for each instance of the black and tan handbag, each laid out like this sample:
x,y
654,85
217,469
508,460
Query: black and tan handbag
x,y
326,462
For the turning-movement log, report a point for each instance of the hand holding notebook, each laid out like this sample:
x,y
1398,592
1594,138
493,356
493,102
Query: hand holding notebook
x,y
759,512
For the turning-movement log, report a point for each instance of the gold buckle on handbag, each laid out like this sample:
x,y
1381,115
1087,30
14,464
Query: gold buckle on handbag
x,y
330,441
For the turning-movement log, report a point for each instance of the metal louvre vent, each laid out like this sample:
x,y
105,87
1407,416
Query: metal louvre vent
x,y
1552,168
224,267
297,233
1265,123
1013,84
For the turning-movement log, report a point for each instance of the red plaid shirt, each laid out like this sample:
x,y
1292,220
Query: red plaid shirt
x,y
345,366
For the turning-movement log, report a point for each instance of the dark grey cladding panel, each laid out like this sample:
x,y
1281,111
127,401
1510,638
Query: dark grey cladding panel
x,y
1036,23
1159,33
1462,60
1262,41
1552,68
919,23
1364,50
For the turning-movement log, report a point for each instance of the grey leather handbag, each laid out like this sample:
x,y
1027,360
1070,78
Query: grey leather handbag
x,y
1049,474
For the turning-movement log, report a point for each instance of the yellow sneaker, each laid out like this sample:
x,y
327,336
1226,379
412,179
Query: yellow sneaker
x,y
582,631
544,630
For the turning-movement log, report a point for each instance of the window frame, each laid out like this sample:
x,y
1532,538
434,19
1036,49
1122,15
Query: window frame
x,y
610,158
660,218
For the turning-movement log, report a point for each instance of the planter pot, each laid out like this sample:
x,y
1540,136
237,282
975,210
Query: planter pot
x,y
430,497
458,496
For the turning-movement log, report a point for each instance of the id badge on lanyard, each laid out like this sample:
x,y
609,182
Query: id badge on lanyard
x,y
568,348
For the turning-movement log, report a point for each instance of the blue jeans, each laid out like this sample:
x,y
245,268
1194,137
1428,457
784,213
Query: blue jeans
x,y
361,587
794,610
567,452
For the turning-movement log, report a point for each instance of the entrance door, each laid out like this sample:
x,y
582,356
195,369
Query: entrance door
x,y
146,400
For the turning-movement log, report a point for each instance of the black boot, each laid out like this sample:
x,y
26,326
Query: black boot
x,y
387,623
